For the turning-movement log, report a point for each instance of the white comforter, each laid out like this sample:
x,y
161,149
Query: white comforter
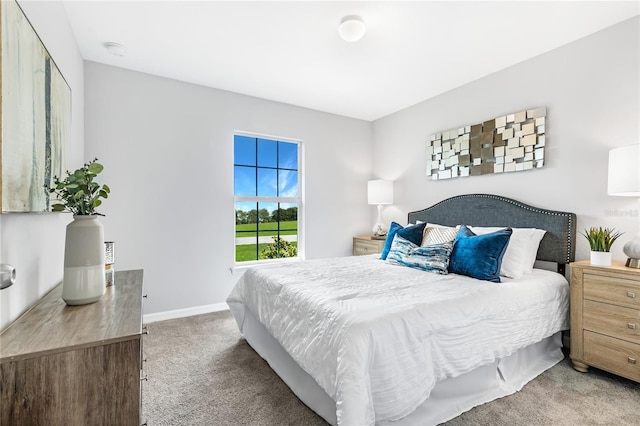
x,y
377,337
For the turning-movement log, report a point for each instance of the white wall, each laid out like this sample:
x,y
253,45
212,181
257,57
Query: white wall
x,y
592,94
167,148
34,243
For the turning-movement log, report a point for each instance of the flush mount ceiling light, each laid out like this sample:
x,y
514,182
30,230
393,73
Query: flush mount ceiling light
x,y
351,28
115,49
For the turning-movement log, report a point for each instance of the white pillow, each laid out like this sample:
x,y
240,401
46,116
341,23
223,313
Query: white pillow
x,y
521,251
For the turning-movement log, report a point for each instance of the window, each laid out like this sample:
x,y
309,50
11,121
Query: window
x,y
267,198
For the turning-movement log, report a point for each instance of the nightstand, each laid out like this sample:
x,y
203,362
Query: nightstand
x,y
367,245
605,318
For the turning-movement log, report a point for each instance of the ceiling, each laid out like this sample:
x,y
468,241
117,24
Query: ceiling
x,y
291,52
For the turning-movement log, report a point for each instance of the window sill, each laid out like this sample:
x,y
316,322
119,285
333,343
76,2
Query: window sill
x,y
241,267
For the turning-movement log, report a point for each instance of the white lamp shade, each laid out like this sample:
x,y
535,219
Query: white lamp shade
x,y
624,171
380,191
351,28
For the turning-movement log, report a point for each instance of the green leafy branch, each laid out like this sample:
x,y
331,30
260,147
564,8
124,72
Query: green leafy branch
x,y
77,192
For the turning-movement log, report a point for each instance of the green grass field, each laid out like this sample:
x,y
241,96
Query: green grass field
x,y
246,252
266,229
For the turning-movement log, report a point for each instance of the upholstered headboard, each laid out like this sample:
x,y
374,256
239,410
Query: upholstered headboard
x,y
558,244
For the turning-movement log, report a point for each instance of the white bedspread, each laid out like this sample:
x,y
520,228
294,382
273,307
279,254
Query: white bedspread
x,y
377,337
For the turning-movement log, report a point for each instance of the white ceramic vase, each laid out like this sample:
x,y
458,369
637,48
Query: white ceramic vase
x,y
601,258
84,278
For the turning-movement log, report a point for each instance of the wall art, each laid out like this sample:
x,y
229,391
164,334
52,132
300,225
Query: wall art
x,y
510,143
35,115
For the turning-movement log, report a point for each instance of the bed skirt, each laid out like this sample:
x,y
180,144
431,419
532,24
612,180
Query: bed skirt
x,y
448,399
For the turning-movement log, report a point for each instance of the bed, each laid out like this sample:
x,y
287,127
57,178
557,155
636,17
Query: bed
x,y
365,341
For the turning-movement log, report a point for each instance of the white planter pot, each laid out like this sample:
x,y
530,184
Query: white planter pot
x,y
84,278
601,258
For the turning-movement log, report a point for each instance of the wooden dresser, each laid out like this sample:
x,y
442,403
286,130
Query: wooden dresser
x,y
605,318
75,365
367,245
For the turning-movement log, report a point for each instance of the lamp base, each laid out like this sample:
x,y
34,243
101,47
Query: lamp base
x,y
378,228
379,231
633,263
632,250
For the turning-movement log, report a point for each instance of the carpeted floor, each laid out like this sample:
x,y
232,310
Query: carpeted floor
x,y
202,372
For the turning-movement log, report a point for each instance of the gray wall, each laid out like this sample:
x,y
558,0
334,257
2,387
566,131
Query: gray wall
x,y
167,148
34,243
592,94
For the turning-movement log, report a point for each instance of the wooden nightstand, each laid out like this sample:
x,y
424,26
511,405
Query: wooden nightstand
x,y
605,318
367,245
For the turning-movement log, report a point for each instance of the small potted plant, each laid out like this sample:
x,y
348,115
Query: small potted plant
x,y
84,275
600,241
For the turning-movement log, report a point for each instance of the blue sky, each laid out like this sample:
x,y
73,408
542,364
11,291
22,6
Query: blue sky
x,y
277,165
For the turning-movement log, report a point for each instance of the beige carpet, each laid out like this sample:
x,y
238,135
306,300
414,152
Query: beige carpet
x,y
201,372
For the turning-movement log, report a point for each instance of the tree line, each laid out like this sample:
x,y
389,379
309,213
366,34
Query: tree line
x,y
263,215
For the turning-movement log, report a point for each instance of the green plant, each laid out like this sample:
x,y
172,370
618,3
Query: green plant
x,y
601,239
77,192
279,248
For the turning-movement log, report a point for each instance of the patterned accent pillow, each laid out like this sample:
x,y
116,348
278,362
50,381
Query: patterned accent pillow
x,y
400,248
438,235
433,258
412,233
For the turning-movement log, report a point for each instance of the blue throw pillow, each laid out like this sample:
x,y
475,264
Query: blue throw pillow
x,y
479,256
393,228
412,233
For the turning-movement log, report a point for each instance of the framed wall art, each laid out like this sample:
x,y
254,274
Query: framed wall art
x,y
35,115
509,143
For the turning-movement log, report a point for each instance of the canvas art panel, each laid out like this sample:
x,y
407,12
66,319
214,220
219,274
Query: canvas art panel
x,y
35,115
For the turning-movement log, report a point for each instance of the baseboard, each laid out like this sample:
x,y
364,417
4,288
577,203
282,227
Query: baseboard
x,y
187,312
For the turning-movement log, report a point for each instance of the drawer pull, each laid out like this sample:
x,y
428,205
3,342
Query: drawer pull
x,y
146,378
631,326
631,360
145,330
631,294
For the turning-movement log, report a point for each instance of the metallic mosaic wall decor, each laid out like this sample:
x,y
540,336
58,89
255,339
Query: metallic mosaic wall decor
x,y
510,143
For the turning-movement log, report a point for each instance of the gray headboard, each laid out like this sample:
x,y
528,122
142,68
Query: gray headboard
x,y
558,244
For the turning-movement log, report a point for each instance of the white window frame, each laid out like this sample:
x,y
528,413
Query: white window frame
x,y
299,200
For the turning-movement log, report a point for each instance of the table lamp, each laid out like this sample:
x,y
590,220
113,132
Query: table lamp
x,y
380,192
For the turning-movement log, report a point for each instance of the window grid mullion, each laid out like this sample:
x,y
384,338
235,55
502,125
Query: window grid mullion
x,y
257,206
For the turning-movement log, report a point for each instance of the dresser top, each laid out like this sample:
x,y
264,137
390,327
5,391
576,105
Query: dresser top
x,y
52,326
615,267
